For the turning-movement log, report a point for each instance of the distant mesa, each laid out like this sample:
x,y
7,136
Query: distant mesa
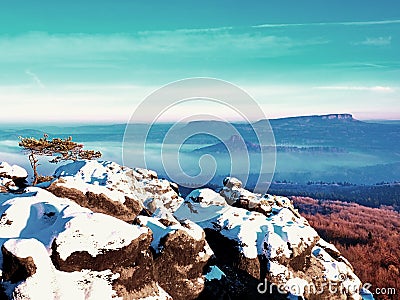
x,y
305,119
337,116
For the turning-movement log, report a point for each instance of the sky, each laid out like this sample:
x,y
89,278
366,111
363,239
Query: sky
x,y
95,61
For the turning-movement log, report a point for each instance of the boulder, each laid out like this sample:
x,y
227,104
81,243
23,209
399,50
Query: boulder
x,y
237,196
12,178
107,187
29,274
100,186
18,267
180,254
12,172
101,202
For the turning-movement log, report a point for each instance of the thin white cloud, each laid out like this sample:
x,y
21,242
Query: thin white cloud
x,y
35,78
376,41
378,88
112,51
383,22
357,23
191,30
363,65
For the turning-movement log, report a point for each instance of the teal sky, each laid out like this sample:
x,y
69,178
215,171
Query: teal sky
x,y
96,60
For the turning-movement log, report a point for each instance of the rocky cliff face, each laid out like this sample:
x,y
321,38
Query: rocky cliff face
x,y
103,231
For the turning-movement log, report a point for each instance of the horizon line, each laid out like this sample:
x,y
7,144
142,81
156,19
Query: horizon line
x,y
120,122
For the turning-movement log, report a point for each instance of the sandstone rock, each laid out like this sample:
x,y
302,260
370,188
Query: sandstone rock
x,y
98,242
17,268
12,172
126,211
12,178
237,196
278,245
56,247
28,263
181,253
101,242
109,188
110,256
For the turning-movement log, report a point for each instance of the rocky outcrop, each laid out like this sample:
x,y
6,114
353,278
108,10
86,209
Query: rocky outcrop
x,y
135,261
32,276
16,268
262,237
156,193
109,188
12,178
181,253
98,249
97,202
237,196
102,231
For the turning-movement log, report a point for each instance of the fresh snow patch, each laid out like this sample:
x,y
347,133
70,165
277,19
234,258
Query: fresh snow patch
x,y
202,205
159,230
279,271
49,283
77,183
12,171
337,271
206,197
99,177
95,233
9,183
36,213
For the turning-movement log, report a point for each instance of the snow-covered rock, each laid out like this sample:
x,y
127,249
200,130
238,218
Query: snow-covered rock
x,y
47,239
89,240
113,189
181,255
12,172
236,195
12,178
103,231
284,232
277,241
29,274
202,205
7,185
100,186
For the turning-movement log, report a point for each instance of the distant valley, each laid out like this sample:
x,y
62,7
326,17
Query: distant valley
x,y
329,148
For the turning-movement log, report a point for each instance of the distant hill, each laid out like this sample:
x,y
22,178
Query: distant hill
x,y
336,130
319,133
333,147
312,118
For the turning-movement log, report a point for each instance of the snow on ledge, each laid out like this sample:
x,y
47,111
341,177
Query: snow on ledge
x,y
12,171
95,233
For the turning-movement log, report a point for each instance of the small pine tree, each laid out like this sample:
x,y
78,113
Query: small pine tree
x,y
60,149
